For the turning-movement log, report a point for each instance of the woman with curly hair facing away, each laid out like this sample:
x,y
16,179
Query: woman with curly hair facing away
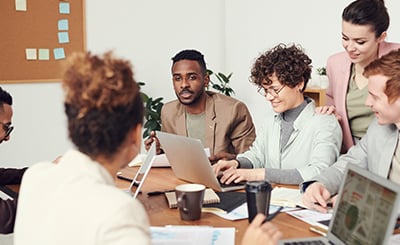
x,y
294,143
76,201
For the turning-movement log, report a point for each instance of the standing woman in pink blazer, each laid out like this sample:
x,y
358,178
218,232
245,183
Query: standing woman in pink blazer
x,y
364,26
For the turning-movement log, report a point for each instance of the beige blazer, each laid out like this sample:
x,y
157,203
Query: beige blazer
x,y
76,202
229,126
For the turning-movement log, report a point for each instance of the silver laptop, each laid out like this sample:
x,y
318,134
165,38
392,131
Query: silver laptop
x,y
365,213
141,174
189,161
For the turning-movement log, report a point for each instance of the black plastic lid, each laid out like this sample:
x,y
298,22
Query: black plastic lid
x,y
258,186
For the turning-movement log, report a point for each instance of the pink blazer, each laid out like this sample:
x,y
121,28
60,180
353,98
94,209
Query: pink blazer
x,y
338,71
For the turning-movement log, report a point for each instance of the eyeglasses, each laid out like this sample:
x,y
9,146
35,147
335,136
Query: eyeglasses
x,y
273,92
7,128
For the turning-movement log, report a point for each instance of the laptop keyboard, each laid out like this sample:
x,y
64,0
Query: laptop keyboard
x,y
317,242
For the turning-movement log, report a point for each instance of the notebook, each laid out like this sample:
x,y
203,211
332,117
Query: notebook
x,y
365,212
141,174
209,197
229,201
189,161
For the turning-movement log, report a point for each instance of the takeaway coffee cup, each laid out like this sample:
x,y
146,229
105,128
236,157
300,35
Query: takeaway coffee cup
x,y
258,195
190,200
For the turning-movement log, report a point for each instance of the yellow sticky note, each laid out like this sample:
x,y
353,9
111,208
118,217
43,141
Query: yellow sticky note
x,y
31,54
20,5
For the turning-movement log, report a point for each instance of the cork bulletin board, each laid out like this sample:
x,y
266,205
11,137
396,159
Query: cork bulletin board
x,y
37,36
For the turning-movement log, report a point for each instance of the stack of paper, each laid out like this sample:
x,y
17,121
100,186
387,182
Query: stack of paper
x,y
311,217
286,197
209,197
195,235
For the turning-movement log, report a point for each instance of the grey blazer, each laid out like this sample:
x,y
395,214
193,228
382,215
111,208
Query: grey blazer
x,y
374,152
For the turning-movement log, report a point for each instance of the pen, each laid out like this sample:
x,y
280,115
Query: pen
x,y
273,215
155,193
328,204
119,176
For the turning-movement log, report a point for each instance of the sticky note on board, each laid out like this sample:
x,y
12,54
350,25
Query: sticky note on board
x,y
63,25
63,37
20,5
59,53
44,54
31,54
64,8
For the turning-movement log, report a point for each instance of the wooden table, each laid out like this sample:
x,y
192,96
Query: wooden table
x,y
160,179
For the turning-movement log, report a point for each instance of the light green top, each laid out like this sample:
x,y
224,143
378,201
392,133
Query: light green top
x,y
360,115
195,126
313,145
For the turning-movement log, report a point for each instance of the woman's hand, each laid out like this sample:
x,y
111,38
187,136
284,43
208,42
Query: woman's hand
x,y
328,110
259,233
239,175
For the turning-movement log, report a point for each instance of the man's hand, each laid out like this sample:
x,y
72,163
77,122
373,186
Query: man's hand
x,y
258,233
317,197
153,138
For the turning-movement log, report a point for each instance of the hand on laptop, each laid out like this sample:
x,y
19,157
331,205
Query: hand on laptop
x,y
223,165
241,174
259,233
221,156
230,172
153,138
318,197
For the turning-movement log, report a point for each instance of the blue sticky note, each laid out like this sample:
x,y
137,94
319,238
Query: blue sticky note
x,y
64,8
63,37
63,25
59,53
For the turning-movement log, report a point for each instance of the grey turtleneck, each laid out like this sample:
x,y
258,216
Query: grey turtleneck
x,y
288,118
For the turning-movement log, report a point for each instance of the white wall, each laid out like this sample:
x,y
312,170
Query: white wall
x,y
231,34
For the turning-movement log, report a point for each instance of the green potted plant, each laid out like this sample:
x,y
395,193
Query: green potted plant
x,y
152,112
222,85
322,77
321,71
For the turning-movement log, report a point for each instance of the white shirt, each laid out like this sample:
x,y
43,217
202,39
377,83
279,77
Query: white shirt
x,y
76,202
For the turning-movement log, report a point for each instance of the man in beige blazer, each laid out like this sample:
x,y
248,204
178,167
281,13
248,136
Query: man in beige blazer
x,y
379,150
223,124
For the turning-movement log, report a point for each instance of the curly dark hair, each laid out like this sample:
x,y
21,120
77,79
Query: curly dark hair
x,y
102,102
5,98
289,63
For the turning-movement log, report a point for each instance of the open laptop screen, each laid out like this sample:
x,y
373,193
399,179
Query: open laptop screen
x,y
142,172
364,210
